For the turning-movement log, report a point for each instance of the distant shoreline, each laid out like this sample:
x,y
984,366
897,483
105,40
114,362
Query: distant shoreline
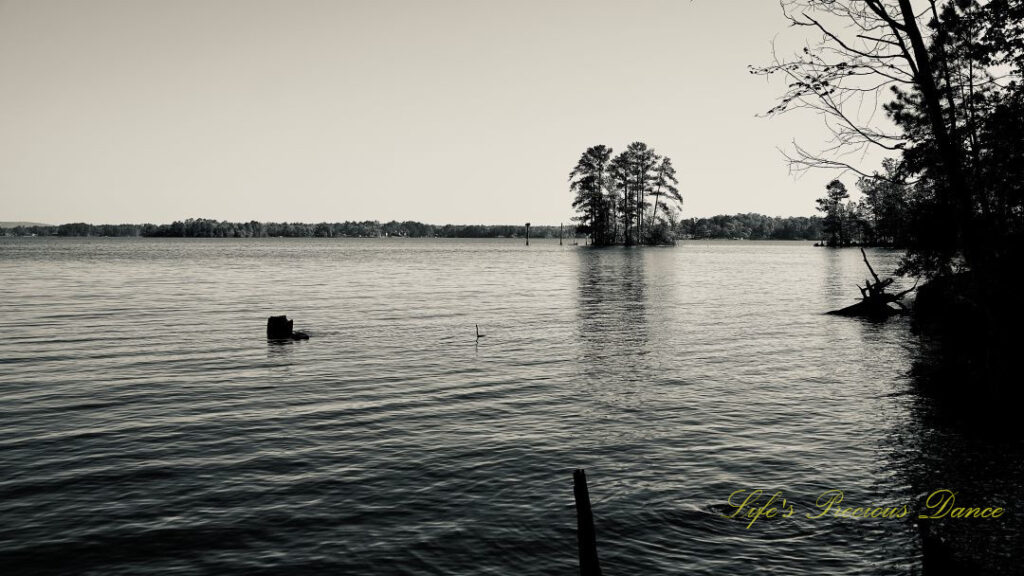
x,y
750,226
568,239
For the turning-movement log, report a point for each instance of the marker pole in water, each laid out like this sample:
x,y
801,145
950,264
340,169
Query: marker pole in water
x,y
585,535
527,233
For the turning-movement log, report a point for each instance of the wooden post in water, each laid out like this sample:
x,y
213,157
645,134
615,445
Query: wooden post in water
x,y
560,226
527,233
585,535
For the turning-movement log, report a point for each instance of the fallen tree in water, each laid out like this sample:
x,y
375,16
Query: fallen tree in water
x,y
875,301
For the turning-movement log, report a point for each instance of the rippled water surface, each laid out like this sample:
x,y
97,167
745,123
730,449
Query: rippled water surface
x,y
148,426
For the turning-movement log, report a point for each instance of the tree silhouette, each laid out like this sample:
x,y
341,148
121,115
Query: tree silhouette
x,y
623,196
589,181
950,76
612,195
642,162
666,188
834,222
887,202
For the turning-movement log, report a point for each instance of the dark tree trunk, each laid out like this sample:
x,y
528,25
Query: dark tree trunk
x,y
956,195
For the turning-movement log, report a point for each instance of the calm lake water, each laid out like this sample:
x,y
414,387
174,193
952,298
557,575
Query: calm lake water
x,y
148,426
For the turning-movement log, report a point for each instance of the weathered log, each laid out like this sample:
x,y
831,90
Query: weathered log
x,y
870,269
868,309
875,301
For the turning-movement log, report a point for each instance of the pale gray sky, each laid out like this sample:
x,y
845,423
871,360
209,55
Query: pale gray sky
x,y
439,111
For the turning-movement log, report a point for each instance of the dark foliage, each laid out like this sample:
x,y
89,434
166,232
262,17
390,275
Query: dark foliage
x,y
630,199
949,75
751,227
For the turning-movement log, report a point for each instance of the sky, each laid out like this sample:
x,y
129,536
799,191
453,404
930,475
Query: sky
x,y
442,111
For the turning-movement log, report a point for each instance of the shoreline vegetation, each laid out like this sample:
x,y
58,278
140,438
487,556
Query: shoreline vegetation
x,y
749,226
950,82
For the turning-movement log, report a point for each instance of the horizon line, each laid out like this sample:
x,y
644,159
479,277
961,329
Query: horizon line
x,y
26,223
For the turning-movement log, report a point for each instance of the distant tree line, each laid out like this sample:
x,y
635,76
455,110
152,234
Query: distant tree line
x,y
207,228
734,227
751,227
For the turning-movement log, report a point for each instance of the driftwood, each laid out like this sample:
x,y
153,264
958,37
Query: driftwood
x,y
875,301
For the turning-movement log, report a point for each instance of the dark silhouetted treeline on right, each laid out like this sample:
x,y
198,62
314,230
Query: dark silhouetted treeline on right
x,y
948,75
884,216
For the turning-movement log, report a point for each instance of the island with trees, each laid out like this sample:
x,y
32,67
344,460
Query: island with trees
x,y
629,199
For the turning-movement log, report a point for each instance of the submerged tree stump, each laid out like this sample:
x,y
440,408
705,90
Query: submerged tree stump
x,y
875,301
280,328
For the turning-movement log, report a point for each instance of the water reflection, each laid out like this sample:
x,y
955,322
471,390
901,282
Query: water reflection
x,y
280,350
981,461
675,376
612,305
